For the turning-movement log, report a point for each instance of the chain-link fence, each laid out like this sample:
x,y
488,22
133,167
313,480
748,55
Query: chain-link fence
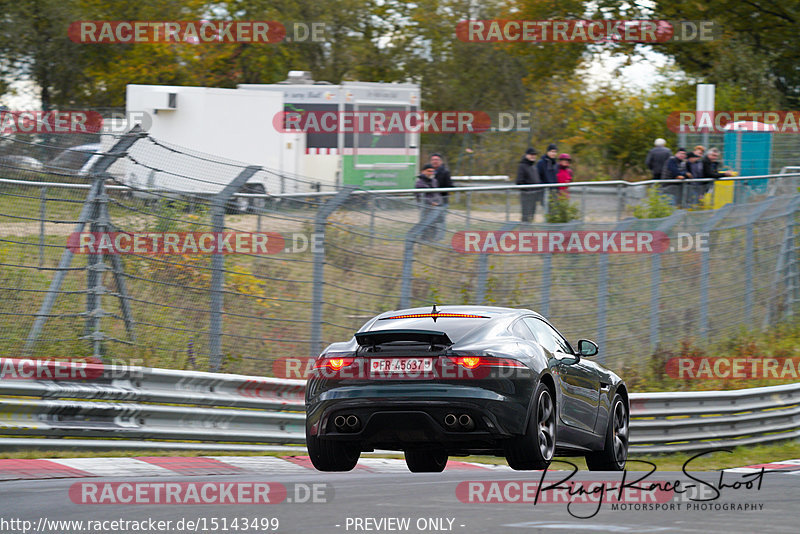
x,y
332,259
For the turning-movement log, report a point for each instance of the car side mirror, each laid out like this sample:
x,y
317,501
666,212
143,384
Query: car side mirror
x,y
587,347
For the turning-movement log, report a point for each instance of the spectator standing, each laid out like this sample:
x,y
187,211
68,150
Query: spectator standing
x,y
700,150
548,167
443,178
696,189
657,156
675,168
428,201
528,174
564,174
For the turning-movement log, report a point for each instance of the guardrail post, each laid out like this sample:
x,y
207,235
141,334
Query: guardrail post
x,y
602,294
655,281
408,255
100,167
218,204
318,279
705,268
483,268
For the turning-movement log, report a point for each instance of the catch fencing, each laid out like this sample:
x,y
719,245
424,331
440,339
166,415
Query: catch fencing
x,y
348,254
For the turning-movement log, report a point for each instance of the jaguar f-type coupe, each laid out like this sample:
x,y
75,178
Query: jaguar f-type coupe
x,y
461,380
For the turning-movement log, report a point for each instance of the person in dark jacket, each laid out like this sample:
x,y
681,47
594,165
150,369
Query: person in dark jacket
x,y
528,174
428,201
443,178
675,168
548,168
657,156
695,167
711,166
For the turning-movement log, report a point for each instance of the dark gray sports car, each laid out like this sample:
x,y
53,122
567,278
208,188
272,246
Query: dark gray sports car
x,y
458,380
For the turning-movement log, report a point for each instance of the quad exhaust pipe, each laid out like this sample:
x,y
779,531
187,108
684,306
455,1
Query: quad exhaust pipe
x,y
459,422
347,423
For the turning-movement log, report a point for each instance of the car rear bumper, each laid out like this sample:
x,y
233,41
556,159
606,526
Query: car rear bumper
x,y
406,417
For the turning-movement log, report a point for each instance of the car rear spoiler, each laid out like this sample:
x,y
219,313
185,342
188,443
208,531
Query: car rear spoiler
x,y
378,337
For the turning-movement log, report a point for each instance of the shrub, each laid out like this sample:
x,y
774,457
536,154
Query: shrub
x,y
561,210
654,206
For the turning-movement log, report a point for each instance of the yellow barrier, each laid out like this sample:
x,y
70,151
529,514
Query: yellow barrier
x,y
723,194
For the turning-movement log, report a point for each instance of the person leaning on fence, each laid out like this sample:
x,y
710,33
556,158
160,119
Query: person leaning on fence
x,y
528,175
711,168
428,201
675,168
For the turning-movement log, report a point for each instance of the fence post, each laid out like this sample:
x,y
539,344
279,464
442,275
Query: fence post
x,y
42,213
749,259
318,279
408,255
218,204
602,294
469,206
583,203
547,270
95,269
705,268
483,268
508,204
655,281
371,218
100,167
785,268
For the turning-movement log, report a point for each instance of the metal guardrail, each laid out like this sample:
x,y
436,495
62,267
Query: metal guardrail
x,y
694,421
137,407
144,404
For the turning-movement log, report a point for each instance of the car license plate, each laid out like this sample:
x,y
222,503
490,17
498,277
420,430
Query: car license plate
x,y
401,365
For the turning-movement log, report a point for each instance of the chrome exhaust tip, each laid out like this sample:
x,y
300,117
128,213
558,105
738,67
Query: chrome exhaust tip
x,y
466,422
450,420
353,423
339,422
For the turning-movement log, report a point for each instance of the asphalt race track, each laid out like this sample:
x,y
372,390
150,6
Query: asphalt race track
x,y
391,500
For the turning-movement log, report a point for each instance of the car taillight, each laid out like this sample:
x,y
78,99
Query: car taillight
x,y
333,363
472,362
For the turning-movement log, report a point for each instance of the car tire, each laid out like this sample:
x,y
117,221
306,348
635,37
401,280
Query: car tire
x,y
535,449
426,461
329,455
615,450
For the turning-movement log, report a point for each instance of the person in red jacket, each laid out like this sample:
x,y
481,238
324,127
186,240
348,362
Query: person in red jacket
x,y
564,174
